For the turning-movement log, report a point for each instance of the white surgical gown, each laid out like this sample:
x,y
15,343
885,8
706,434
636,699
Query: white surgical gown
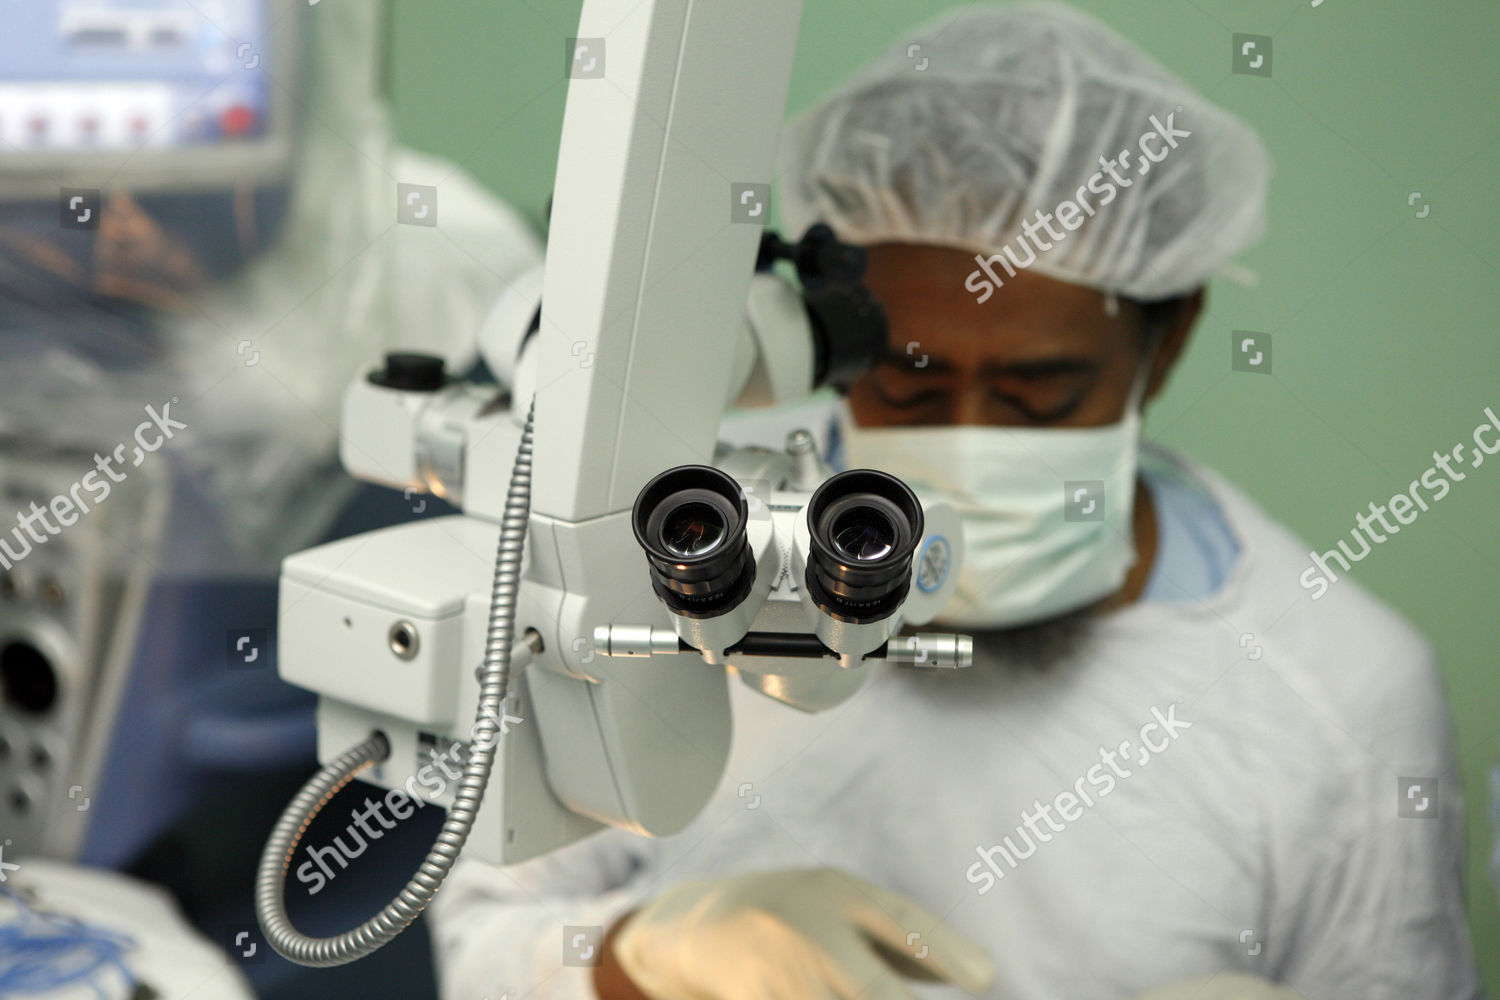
x,y
1268,832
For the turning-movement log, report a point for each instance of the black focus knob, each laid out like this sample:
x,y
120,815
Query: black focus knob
x,y
411,372
820,256
850,332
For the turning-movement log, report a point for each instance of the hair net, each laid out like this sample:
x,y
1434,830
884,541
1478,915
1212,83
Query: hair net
x,y
983,117
257,363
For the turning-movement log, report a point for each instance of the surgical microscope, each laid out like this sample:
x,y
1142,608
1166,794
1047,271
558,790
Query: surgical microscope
x,y
573,631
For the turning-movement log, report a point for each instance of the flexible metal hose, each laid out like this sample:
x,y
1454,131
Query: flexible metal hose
x,y
270,881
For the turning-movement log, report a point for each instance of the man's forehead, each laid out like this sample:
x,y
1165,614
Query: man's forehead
x,y
937,275
1006,340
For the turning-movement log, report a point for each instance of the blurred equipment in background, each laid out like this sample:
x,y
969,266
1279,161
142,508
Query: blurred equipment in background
x,y
160,95
202,237
70,933
144,154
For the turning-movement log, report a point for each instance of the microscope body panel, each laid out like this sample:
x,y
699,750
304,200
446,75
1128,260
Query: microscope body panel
x,y
648,275
343,604
339,603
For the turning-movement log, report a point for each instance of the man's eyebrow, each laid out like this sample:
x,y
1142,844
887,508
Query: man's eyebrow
x,y
916,360
1039,367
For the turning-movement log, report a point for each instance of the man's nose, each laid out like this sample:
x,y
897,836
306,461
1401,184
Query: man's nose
x,y
968,406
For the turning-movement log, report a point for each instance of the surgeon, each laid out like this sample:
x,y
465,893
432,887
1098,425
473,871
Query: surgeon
x,y
1170,772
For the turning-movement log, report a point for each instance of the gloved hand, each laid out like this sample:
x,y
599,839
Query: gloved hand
x,y
803,934
1229,986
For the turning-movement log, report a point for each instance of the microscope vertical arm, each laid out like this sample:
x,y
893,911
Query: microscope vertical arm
x,y
646,282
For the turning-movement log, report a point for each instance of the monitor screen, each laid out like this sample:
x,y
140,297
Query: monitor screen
x,y
95,79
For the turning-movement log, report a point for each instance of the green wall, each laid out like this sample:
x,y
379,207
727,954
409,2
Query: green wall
x,y
1386,345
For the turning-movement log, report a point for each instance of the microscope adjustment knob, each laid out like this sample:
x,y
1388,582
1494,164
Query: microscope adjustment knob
x,y
411,372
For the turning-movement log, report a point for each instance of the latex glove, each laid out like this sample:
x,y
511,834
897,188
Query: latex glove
x,y
1229,986
803,934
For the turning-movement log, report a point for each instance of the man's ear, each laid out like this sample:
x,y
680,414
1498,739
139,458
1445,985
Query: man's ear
x,y
1173,339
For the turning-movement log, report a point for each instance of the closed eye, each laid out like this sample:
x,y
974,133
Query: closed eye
x,y
1034,414
1043,391
909,400
901,385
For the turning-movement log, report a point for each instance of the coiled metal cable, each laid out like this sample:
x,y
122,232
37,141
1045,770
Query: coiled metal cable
x,y
270,881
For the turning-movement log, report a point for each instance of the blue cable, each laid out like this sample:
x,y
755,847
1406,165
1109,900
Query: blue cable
x,y
42,953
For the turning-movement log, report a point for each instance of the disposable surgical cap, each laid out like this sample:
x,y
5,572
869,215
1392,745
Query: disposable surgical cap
x,y
983,117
